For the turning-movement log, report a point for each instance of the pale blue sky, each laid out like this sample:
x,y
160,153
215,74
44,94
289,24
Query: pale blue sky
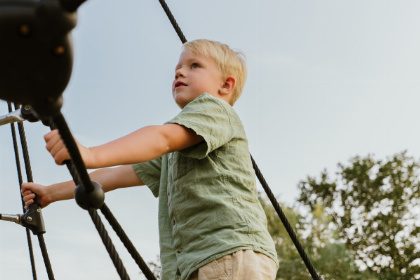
x,y
327,80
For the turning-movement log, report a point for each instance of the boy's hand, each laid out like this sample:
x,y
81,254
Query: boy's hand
x,y
32,190
58,150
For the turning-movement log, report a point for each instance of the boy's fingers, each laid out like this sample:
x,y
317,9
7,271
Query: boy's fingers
x,y
25,186
56,148
59,146
61,156
29,197
29,202
50,134
27,192
52,142
28,188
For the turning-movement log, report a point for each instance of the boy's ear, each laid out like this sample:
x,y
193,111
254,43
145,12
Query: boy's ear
x,y
228,86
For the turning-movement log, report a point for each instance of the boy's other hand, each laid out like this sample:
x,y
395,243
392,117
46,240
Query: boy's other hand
x,y
32,190
58,149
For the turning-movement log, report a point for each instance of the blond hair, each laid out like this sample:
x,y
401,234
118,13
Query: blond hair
x,y
229,62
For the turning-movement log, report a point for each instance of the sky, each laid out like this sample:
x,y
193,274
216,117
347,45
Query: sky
x,y
327,80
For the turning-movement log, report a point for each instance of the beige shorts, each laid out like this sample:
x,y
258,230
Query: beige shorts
x,y
241,265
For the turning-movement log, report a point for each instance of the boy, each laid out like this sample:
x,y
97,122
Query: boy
x,y
211,224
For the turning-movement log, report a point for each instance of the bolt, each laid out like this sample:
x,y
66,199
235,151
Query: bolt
x,y
29,219
59,50
24,30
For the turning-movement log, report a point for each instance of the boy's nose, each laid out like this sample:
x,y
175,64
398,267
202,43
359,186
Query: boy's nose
x,y
179,73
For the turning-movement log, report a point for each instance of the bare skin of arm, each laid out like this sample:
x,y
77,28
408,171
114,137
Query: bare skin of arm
x,y
145,144
140,146
109,178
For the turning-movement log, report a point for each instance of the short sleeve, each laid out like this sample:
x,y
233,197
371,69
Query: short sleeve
x,y
149,172
210,118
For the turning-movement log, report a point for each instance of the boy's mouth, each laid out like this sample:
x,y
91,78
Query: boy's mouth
x,y
179,84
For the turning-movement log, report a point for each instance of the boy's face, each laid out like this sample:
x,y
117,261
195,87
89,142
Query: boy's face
x,y
194,75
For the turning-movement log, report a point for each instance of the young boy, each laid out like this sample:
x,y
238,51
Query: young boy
x,y
211,223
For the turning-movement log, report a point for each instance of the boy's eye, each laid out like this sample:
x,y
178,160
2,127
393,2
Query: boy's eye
x,y
194,65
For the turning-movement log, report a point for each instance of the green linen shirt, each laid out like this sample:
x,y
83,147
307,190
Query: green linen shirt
x,y
208,203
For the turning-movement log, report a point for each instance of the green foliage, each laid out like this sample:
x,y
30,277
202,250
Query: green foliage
x,y
329,257
375,206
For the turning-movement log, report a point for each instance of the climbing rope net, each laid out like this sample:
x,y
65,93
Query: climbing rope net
x,y
52,21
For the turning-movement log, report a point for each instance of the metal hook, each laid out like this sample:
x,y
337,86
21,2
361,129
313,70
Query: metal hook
x,y
32,219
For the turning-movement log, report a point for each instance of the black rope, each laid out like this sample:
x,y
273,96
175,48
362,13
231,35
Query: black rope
x,y
19,171
45,256
285,222
267,189
29,177
25,151
106,240
173,21
127,243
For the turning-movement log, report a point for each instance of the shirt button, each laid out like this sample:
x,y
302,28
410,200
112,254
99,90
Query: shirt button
x,y
179,251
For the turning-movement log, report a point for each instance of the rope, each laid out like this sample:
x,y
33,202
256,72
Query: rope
x,y
19,171
25,152
127,243
29,177
267,189
106,240
285,221
173,21
45,256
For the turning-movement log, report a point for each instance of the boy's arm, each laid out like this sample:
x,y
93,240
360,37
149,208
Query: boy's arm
x,y
142,145
109,178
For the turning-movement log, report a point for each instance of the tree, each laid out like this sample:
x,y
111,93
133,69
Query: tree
x,y
319,239
375,205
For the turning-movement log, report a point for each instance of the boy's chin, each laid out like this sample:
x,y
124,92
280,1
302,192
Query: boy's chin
x,y
182,101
